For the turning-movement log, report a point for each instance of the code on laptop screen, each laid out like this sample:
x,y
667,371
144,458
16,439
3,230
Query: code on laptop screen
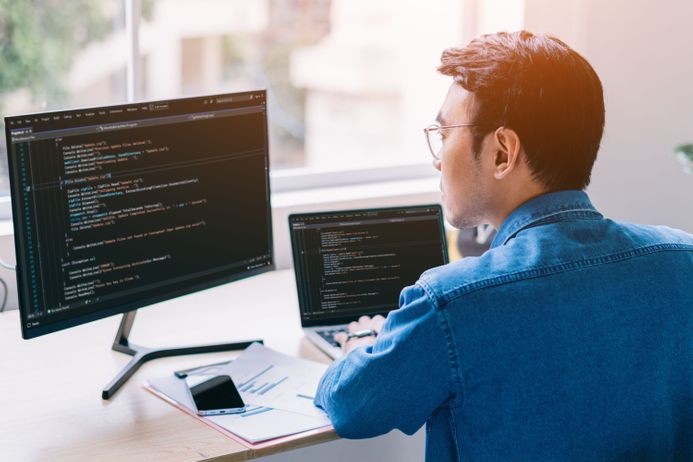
x,y
357,262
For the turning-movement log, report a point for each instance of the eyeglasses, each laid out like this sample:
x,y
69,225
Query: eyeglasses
x,y
434,137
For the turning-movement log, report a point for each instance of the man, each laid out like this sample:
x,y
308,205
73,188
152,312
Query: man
x,y
572,337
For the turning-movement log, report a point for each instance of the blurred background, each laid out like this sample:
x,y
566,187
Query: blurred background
x,y
352,82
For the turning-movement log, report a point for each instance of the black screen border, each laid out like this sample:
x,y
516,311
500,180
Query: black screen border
x,y
28,331
299,270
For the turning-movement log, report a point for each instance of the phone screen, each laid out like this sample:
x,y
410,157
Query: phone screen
x,y
215,394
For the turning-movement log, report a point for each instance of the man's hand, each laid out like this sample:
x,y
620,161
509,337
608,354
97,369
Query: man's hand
x,y
364,323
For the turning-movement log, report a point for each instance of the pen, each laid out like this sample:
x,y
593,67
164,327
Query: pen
x,y
183,373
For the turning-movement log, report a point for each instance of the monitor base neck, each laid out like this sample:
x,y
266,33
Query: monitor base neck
x,y
142,354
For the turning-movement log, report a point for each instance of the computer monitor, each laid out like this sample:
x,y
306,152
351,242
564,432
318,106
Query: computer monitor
x,y
119,207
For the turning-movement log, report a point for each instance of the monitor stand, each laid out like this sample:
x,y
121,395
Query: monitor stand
x,y
143,354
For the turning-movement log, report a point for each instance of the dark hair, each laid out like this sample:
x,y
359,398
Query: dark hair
x,y
541,88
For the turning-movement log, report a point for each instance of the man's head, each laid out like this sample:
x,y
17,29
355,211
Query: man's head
x,y
537,110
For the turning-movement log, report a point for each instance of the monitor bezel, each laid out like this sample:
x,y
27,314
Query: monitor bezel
x,y
299,269
29,332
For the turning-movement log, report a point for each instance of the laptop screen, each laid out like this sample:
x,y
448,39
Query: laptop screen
x,y
355,262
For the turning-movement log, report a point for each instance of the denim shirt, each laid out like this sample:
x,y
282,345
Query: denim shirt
x,y
570,339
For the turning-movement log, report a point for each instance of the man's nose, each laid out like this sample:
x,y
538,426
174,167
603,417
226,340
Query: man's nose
x,y
436,164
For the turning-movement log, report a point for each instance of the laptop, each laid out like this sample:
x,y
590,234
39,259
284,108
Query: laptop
x,y
351,263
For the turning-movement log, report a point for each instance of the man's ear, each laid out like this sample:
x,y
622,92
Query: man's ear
x,y
507,155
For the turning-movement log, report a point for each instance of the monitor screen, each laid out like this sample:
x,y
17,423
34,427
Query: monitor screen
x,y
354,262
119,207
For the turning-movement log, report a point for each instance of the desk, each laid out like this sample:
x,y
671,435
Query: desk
x,y
50,387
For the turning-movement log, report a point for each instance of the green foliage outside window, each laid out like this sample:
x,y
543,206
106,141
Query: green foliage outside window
x,y
39,39
684,154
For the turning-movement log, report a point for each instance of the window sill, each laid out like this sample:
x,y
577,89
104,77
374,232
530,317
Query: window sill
x,y
368,191
302,179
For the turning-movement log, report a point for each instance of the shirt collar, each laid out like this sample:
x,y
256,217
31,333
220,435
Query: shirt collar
x,y
547,208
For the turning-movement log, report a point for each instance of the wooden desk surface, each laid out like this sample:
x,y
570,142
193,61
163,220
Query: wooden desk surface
x,y
50,387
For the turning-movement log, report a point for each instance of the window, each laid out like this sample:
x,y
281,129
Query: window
x,y
351,83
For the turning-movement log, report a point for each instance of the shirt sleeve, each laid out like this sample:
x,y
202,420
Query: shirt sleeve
x,y
396,383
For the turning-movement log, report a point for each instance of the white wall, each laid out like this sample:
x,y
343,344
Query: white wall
x,y
393,447
642,50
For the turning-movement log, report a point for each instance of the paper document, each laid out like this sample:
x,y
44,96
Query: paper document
x,y
278,391
267,378
257,423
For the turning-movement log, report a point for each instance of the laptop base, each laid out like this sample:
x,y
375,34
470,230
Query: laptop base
x,y
317,335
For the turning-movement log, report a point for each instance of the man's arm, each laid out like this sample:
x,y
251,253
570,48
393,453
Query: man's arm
x,y
398,381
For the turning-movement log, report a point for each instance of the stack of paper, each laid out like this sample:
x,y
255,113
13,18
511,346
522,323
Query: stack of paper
x,y
277,389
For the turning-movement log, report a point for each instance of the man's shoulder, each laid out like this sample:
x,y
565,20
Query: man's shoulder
x,y
469,273
538,252
649,234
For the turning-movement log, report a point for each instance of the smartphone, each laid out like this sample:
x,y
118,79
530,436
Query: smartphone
x,y
214,394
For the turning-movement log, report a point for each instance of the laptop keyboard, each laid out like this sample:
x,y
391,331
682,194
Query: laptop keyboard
x,y
328,335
